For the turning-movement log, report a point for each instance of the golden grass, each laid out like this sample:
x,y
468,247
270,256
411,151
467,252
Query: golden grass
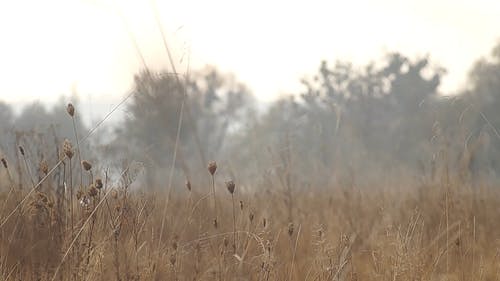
x,y
102,230
391,233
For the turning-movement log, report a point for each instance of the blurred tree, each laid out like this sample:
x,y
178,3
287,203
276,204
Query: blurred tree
x,y
33,116
367,119
40,131
481,104
215,105
6,116
36,117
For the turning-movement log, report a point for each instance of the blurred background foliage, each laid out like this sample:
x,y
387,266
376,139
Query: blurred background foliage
x,y
350,125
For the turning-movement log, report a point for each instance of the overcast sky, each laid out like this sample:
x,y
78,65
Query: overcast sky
x,y
53,47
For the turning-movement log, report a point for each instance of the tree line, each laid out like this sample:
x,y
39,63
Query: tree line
x,y
349,125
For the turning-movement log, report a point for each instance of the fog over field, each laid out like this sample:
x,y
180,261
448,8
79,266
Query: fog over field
x,y
304,140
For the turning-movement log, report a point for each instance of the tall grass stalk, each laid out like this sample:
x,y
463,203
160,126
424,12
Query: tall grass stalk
x,y
71,111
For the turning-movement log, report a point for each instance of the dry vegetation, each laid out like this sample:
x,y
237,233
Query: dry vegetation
x,y
82,226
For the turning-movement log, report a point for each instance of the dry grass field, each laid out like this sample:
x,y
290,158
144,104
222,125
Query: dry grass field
x,y
83,226
67,214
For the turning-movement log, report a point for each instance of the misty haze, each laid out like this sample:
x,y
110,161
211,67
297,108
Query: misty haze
x,y
152,140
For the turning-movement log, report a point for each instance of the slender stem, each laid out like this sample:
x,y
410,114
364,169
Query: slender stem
x,y
78,150
234,225
215,199
70,201
28,170
63,201
91,177
294,253
89,246
473,244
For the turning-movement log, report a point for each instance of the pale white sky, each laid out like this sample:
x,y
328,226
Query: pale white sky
x,y
50,47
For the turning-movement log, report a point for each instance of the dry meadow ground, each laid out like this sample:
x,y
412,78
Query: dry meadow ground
x,y
82,226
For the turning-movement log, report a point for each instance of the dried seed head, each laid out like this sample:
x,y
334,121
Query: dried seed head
x,y
79,194
212,167
21,149
226,242
4,162
62,155
264,222
44,167
86,165
98,183
230,186
241,205
290,229
85,201
92,191
70,109
68,149
216,224
188,185
173,259
251,216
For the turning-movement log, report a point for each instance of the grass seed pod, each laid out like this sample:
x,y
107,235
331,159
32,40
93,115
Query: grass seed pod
x,y
212,167
230,186
70,109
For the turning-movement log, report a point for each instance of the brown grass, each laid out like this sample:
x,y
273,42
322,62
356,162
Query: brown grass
x,y
105,231
384,233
